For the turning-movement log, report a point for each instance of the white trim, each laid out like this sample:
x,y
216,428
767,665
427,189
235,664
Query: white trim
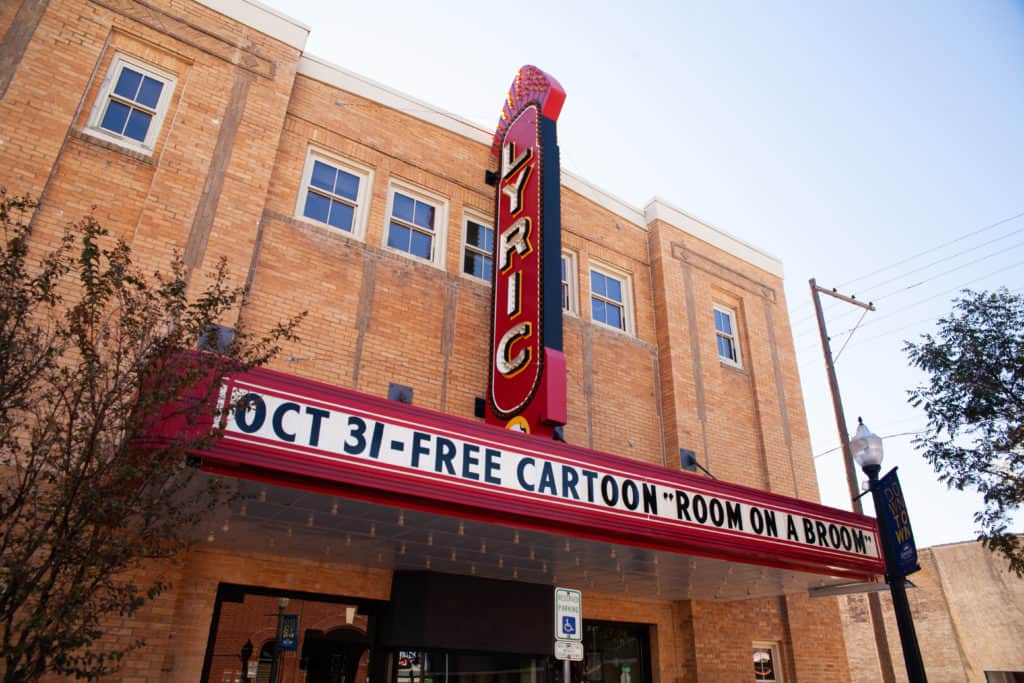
x,y
105,94
343,79
734,337
362,201
479,218
658,209
440,238
264,19
572,280
626,281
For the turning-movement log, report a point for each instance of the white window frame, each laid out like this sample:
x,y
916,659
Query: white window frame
x,y
626,280
479,219
734,337
440,204
362,202
106,93
571,283
776,658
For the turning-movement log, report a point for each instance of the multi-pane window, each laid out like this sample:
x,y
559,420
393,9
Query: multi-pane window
x,y
416,224
725,333
331,196
477,259
766,663
131,104
334,192
569,288
607,299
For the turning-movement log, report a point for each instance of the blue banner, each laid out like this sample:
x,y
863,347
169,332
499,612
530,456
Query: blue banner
x,y
898,536
290,632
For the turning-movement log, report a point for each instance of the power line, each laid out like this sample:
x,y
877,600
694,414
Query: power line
x,y
930,250
887,436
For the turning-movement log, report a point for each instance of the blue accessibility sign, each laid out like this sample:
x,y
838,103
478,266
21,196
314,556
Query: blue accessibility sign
x,y
569,625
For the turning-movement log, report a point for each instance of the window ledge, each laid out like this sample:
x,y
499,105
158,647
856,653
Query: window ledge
x,y
135,152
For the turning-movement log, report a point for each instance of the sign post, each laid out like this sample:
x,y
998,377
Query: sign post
x,y
568,628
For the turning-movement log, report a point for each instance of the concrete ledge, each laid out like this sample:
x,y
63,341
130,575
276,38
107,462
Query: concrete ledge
x,y
264,19
659,210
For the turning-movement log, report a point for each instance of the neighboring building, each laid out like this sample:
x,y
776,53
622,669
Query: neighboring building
x,y
968,613
203,127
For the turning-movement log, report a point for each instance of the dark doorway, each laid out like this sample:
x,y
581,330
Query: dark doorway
x,y
335,656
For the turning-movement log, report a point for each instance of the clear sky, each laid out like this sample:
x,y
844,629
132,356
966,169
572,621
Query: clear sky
x,y
842,137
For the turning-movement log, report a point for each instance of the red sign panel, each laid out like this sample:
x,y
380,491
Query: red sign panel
x,y
527,378
302,433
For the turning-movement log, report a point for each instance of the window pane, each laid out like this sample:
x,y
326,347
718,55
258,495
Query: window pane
x,y
597,310
597,283
138,125
341,216
565,297
613,289
613,315
347,185
477,265
115,117
725,348
565,268
128,83
479,236
403,207
149,93
323,176
398,236
317,206
723,322
420,245
424,215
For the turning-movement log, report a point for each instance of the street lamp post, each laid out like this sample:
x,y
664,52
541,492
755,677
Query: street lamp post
x,y
866,448
282,603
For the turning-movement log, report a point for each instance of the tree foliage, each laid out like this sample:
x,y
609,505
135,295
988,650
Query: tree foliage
x,y
974,401
90,359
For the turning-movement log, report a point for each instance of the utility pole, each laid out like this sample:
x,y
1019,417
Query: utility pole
x,y
874,606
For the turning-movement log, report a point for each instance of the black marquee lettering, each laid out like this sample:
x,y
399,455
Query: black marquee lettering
x,y
682,506
822,533
253,402
858,542
734,515
650,499
756,521
700,508
444,455
609,490
791,533
630,495
770,525
314,428
717,512
492,466
808,531
547,480
277,421
357,431
520,469
420,447
846,538
833,536
590,477
569,480
470,461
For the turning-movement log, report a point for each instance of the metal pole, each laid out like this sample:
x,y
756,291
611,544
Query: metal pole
x,y
897,586
874,605
275,673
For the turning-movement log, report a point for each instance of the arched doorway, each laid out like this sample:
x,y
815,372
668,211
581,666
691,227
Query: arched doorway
x,y
333,657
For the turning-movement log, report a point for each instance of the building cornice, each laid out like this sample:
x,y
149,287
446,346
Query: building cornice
x,y
658,209
264,19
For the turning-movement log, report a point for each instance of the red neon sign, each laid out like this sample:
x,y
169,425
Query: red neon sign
x,y
527,378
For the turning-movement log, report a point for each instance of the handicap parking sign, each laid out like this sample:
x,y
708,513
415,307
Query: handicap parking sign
x,y
568,614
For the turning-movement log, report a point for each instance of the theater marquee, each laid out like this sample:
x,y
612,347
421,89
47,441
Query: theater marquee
x,y
401,455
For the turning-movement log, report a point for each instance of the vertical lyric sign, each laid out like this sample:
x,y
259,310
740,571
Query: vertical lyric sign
x,y
527,386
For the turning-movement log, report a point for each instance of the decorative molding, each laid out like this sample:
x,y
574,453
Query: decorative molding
x,y
660,210
264,19
242,56
683,253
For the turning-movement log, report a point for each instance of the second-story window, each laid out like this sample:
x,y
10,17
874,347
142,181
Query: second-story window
x,y
477,259
609,299
131,103
416,224
725,334
334,193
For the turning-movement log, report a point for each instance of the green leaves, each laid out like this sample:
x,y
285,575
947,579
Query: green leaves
x,y
90,364
974,402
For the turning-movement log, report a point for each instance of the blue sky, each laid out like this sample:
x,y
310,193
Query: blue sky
x,y
841,137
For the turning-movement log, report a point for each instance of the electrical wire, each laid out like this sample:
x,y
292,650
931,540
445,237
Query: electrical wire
x,y
887,436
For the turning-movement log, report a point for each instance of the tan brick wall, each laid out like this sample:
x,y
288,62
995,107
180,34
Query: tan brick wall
x,y
968,613
224,179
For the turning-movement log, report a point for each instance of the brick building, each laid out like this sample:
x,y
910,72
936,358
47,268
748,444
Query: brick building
x,y
202,126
